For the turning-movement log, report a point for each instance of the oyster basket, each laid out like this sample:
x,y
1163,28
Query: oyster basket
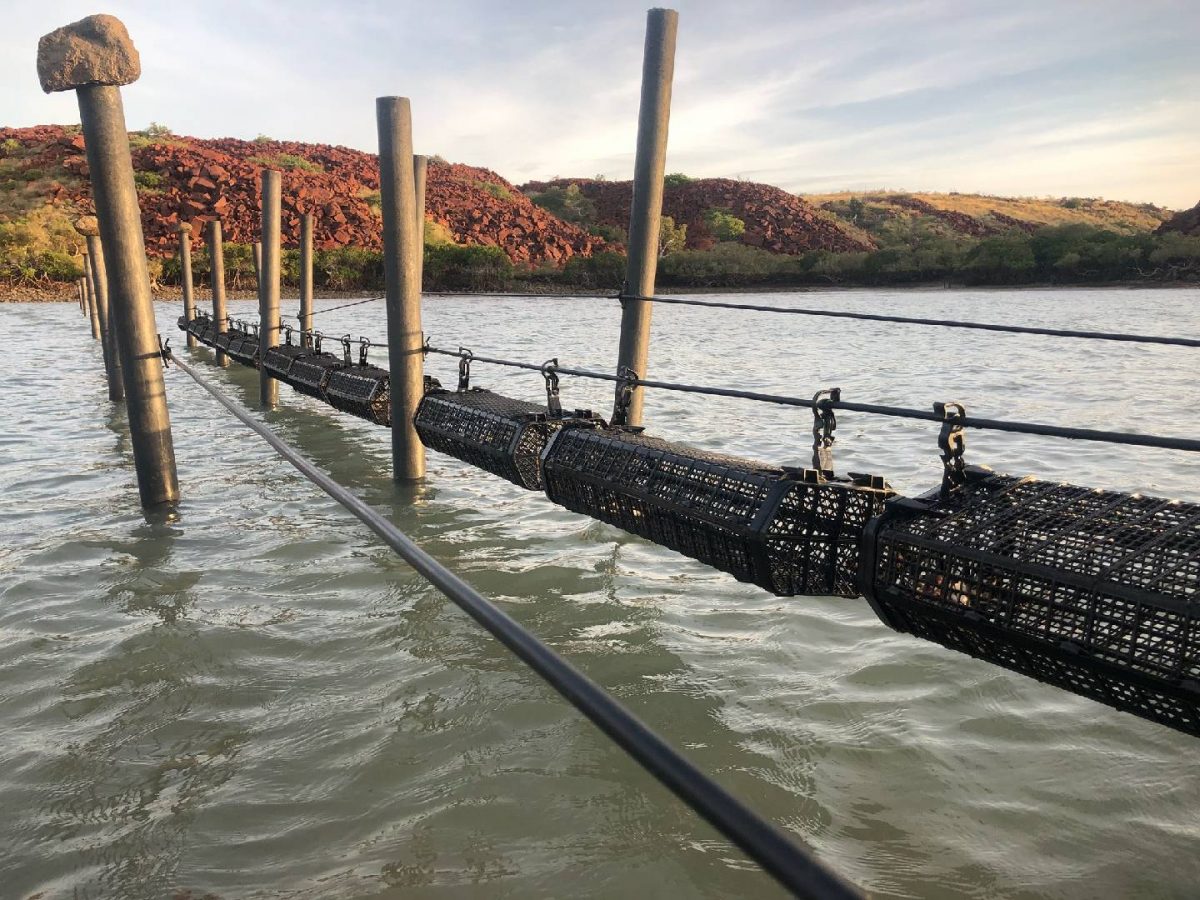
x,y
310,373
224,338
244,349
278,360
1093,591
361,390
499,434
789,531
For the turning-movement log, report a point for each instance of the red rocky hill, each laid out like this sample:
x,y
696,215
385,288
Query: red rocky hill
x,y
1186,222
195,180
775,220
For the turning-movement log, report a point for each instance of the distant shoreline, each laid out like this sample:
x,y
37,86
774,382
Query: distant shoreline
x,y
65,293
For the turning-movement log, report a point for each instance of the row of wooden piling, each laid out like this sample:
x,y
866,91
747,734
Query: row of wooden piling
x,y
117,297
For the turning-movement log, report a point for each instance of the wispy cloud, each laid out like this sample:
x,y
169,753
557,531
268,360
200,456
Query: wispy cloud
x,y
1097,98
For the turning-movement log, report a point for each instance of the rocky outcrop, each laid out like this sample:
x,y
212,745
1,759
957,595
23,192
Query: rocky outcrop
x,y
1186,222
192,180
94,50
775,220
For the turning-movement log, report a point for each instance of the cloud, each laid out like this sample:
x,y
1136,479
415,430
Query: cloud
x,y
1020,97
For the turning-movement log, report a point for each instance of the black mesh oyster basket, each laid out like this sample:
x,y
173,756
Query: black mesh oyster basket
x,y
1094,591
499,434
244,347
278,360
201,327
224,338
360,389
790,531
309,374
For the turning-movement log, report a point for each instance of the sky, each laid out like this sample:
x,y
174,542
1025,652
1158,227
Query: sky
x,y
1084,98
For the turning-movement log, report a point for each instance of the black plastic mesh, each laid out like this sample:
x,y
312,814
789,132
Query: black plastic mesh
x,y
499,434
278,360
1094,591
790,532
309,374
362,391
244,350
226,337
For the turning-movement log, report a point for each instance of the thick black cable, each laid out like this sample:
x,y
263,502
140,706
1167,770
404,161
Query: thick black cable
x,y
944,323
321,312
1081,434
790,864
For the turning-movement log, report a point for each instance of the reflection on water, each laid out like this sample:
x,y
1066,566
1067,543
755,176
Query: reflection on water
x,y
256,699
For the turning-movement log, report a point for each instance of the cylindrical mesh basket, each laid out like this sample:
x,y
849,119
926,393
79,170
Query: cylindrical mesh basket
x,y
788,531
363,391
244,350
278,360
224,338
499,434
1093,591
309,374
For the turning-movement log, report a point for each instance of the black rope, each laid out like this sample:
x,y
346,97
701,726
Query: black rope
x,y
945,323
791,865
1082,434
321,312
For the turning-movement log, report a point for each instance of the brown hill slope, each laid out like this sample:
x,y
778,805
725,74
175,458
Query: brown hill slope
x,y
1186,222
775,220
192,179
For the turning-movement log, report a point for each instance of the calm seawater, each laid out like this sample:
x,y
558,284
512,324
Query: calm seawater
x,y
258,700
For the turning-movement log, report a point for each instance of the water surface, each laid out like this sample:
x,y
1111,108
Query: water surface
x,y
258,700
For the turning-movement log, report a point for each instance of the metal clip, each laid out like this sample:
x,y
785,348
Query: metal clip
x,y
164,350
364,344
287,335
824,424
553,404
316,337
952,441
346,349
627,380
464,368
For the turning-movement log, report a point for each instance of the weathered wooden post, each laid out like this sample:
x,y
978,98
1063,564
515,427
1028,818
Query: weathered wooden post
x,y
258,268
658,67
268,253
93,57
420,171
81,294
402,280
216,277
89,291
90,229
185,277
306,272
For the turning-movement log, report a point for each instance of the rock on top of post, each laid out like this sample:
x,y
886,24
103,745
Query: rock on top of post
x,y
88,226
95,50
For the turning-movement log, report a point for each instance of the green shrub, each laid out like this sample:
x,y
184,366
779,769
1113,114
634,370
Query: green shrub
x,y
600,270
289,162
10,146
499,191
671,237
568,203
675,179
723,225
449,267
148,182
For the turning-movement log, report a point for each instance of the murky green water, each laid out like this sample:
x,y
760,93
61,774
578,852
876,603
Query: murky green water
x,y
259,701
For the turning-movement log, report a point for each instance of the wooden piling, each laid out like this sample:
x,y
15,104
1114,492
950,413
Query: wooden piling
x,y
112,361
216,277
89,292
268,255
658,65
131,305
420,171
402,279
185,277
306,272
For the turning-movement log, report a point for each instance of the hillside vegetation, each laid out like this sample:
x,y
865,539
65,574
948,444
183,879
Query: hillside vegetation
x,y
483,233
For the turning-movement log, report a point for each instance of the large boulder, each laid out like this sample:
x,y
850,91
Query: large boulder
x,y
95,50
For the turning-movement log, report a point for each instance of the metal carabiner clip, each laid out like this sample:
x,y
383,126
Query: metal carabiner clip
x,y
824,424
364,344
553,404
346,349
627,381
464,368
952,441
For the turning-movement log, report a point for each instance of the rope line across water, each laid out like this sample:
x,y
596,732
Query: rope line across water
x,y
907,320
768,846
1083,434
